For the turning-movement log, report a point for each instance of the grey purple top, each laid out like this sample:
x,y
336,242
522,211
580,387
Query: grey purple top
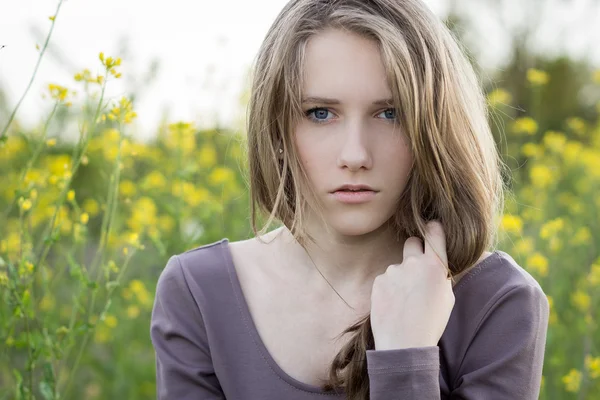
x,y
207,346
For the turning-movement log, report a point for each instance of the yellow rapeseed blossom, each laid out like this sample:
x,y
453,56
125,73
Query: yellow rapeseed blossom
x,y
512,224
110,320
590,159
143,214
525,125
582,236
577,125
154,180
538,263
524,246
207,157
552,228
3,278
25,204
71,195
133,311
581,300
127,188
57,92
596,76
537,77
51,142
572,380
555,141
221,175
541,176
552,318
84,218
592,364
571,152
593,277
91,206
532,150
499,96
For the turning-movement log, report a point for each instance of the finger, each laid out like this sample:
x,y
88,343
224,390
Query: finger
x,y
413,246
435,242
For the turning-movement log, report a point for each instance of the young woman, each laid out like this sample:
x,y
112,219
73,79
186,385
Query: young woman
x,y
368,141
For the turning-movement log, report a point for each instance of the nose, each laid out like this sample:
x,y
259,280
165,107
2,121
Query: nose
x,y
354,153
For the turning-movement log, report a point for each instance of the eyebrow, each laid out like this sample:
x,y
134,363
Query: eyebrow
x,y
324,100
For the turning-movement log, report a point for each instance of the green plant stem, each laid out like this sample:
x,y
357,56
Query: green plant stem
x,y
12,115
32,160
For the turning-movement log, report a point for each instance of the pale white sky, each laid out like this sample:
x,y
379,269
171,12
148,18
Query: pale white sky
x,y
205,48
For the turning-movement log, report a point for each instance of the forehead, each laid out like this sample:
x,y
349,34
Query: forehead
x,y
345,65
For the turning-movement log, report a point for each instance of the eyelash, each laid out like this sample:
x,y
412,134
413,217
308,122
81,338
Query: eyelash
x,y
317,121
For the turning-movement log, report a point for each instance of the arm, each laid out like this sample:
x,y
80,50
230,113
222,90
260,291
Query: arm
x,y
504,359
184,369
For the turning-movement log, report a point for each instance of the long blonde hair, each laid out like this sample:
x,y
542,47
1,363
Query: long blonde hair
x,y
457,172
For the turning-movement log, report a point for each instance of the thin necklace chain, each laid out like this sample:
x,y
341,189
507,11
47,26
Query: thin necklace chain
x,y
330,285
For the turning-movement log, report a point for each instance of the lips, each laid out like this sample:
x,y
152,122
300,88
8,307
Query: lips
x,y
355,188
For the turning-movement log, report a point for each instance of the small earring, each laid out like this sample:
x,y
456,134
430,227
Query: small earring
x,y
280,150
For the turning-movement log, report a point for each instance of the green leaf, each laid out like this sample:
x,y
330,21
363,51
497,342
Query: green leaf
x,y
46,391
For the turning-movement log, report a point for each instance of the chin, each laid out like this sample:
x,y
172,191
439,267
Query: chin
x,y
356,223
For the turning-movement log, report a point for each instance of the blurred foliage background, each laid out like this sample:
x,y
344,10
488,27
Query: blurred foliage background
x,y
86,226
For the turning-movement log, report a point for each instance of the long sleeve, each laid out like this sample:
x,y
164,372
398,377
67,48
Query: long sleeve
x,y
504,357
184,369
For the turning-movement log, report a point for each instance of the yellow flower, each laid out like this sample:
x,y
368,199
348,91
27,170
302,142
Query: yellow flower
x,y
3,279
208,156
596,76
593,277
71,195
537,77
582,236
593,366
91,206
532,150
524,246
553,318
538,263
499,96
110,320
555,141
577,125
512,224
51,142
133,311
51,18
127,188
154,180
25,204
552,228
525,125
221,175
572,380
541,176
581,300
84,218
571,152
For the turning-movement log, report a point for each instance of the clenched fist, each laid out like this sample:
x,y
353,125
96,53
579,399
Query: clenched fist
x,y
411,302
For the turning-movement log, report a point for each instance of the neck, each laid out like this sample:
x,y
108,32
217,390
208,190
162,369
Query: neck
x,y
349,263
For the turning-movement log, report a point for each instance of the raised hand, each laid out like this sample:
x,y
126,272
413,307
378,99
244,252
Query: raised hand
x,y
411,302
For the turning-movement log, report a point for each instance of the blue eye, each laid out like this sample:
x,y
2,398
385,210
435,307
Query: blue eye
x,y
319,113
391,115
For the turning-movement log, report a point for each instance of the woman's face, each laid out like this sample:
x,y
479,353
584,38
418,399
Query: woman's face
x,y
351,138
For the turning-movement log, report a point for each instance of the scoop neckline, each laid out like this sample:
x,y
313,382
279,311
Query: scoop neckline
x,y
266,355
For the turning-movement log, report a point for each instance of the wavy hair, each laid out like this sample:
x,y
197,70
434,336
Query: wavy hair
x,y
456,177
